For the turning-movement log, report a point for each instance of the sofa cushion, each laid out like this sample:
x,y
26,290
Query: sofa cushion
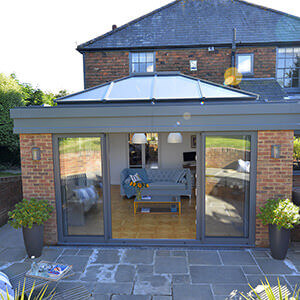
x,y
141,172
164,185
163,174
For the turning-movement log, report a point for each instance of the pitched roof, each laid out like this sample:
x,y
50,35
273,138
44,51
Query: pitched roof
x,y
160,86
201,22
268,89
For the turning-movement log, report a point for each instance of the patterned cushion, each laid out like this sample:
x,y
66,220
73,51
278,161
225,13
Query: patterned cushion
x,y
5,286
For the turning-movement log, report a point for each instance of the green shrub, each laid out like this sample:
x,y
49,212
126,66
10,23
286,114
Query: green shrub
x,y
281,212
29,212
296,154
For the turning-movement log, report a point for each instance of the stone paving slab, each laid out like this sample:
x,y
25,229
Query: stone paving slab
x,y
153,285
78,262
192,292
170,265
139,256
204,257
217,274
113,288
272,266
129,297
229,290
111,256
236,258
159,273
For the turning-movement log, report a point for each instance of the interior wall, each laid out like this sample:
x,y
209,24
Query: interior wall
x,y
171,155
118,148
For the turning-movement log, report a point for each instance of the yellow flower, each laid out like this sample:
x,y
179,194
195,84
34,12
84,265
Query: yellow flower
x,y
147,185
139,185
130,183
134,184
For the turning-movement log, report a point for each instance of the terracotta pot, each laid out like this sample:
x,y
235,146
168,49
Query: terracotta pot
x,y
33,240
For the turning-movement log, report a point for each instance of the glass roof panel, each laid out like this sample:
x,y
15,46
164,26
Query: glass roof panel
x,y
134,88
176,87
157,86
213,91
93,94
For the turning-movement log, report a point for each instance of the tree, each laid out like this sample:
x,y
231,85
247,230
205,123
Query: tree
x,y
10,97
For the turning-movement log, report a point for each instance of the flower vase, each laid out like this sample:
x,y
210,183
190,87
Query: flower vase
x,y
138,195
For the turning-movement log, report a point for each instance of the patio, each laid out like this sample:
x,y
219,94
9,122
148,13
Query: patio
x,y
157,273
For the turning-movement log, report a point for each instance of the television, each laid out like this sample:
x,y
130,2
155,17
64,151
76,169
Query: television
x,y
189,156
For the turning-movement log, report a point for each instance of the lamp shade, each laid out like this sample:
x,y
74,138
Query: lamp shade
x,y
174,138
139,138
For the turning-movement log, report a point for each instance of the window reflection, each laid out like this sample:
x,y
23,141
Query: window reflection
x,y
227,187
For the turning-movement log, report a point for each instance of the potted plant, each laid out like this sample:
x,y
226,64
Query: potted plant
x,y
281,215
139,186
31,215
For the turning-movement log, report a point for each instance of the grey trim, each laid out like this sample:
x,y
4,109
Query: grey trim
x,y
208,117
84,74
250,239
252,63
63,236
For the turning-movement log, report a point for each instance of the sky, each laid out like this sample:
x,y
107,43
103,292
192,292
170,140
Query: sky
x,y
38,38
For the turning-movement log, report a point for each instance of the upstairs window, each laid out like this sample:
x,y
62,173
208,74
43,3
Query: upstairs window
x,y
142,62
288,65
244,63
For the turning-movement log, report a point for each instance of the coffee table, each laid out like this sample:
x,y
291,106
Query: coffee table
x,y
172,200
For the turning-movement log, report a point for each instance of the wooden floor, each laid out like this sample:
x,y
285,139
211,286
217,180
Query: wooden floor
x,y
126,225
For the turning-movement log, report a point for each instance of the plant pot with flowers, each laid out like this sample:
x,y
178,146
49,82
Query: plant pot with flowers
x,y
281,215
30,215
139,186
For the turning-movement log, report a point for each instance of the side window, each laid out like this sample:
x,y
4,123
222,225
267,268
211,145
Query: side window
x,y
244,63
288,67
142,62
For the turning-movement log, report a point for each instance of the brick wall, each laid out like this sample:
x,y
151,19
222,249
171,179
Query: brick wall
x,y
10,194
38,176
101,67
274,176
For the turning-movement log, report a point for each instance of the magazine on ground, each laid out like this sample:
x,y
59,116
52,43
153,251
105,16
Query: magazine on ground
x,y
48,270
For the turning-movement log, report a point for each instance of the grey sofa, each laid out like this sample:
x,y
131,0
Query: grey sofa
x,y
175,182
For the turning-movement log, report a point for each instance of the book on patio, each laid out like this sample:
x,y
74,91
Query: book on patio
x,y
48,270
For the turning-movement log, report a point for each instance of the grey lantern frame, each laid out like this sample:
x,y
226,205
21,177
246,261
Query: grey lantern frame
x,y
201,239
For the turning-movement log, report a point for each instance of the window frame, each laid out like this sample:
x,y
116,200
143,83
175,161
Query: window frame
x,y
288,89
252,63
143,149
296,135
130,62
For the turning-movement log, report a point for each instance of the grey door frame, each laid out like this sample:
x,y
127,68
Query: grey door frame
x,y
201,239
250,240
61,222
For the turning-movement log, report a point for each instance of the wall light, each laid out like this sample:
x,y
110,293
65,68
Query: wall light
x,y
275,151
36,153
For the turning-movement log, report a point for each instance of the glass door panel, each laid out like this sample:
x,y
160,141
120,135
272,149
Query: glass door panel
x,y
227,185
81,184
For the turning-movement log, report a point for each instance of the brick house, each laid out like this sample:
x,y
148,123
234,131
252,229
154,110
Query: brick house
x,y
155,104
